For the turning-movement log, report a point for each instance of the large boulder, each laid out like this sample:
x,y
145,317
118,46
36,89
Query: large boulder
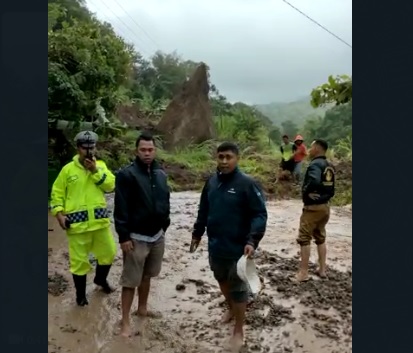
x,y
188,118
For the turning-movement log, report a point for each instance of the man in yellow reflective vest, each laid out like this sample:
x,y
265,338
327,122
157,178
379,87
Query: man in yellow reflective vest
x,y
79,204
287,150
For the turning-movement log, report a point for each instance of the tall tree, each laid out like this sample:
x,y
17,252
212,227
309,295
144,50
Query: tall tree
x,y
89,66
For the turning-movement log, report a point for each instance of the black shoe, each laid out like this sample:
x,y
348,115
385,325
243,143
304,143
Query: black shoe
x,y
80,285
100,280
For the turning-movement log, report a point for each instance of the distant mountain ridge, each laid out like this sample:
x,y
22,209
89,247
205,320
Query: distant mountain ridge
x,y
297,111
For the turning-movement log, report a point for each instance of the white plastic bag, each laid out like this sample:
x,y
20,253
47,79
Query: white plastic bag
x,y
247,271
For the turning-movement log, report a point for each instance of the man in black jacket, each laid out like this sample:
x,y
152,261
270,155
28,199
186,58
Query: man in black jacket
x,y
317,190
141,219
232,210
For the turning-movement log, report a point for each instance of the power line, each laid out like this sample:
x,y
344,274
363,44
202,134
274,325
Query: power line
x,y
137,24
141,47
126,26
318,24
106,19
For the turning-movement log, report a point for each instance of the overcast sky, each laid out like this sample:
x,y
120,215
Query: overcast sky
x,y
259,51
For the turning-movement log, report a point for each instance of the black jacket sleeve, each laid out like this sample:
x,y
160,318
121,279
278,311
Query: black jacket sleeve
x,y
167,223
313,179
121,212
258,212
201,221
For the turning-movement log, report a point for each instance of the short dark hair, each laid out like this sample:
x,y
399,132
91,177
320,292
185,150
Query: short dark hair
x,y
145,136
322,143
228,146
285,137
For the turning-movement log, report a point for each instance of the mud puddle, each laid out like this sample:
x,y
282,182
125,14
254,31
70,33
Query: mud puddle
x,y
315,316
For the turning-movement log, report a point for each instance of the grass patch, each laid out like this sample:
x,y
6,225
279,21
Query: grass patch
x,y
188,167
196,158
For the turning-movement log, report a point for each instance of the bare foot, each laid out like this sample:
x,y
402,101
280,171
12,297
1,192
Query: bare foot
x,y
147,313
227,317
236,342
321,274
125,330
302,277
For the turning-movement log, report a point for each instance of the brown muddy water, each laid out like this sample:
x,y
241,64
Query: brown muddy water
x,y
312,317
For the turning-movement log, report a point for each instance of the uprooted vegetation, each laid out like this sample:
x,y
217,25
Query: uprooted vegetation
x,y
189,167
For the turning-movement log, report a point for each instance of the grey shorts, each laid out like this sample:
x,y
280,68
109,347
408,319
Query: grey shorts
x,y
225,270
145,260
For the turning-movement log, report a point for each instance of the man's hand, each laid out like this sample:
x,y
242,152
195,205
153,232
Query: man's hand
x,y
249,250
127,246
194,244
61,218
90,164
313,196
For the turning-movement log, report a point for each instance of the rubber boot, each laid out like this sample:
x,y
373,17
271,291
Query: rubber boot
x,y
102,272
80,285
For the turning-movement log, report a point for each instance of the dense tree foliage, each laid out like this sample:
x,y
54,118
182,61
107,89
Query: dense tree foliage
x,y
335,126
338,90
161,76
89,65
93,71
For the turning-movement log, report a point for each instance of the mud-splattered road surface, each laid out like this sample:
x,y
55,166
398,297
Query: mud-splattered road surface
x,y
312,317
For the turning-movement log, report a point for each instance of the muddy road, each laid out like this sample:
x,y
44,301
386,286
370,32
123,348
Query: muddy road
x,y
312,317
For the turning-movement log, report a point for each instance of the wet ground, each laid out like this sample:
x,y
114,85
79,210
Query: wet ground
x,y
311,317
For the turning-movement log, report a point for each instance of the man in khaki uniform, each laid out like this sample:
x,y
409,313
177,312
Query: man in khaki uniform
x,y
317,190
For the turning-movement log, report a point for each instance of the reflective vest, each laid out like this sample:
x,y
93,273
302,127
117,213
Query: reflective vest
x,y
80,195
287,151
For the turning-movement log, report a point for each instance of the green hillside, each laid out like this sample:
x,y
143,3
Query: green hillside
x,y
297,111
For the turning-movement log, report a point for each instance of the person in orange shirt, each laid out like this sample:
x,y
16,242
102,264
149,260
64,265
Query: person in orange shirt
x,y
299,154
